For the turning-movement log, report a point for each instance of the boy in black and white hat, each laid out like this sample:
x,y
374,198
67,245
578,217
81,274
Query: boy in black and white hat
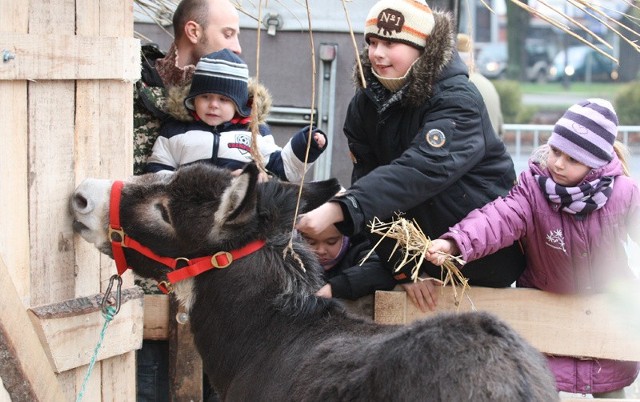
x,y
220,111
422,144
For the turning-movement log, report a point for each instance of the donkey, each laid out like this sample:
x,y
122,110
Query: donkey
x,y
262,333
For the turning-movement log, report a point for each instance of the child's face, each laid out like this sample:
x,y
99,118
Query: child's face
x,y
326,244
565,170
214,109
391,59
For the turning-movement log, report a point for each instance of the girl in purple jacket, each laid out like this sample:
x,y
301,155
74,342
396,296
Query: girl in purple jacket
x,y
574,209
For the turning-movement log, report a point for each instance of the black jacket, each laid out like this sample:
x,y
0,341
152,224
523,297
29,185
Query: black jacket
x,y
351,280
428,151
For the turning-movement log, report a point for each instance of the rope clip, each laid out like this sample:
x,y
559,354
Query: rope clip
x,y
107,300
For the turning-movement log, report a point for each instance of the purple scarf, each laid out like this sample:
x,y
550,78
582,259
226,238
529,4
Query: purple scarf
x,y
578,200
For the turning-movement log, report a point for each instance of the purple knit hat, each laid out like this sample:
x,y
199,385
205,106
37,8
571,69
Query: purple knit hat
x,y
586,132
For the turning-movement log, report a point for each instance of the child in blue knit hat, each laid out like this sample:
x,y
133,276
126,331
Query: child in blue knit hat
x,y
574,207
217,130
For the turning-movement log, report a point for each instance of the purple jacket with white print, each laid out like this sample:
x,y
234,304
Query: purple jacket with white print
x,y
563,254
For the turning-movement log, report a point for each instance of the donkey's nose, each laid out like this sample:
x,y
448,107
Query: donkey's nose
x,y
80,203
88,195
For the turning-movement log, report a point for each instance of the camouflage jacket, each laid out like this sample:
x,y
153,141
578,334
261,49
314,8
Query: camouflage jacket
x,y
149,100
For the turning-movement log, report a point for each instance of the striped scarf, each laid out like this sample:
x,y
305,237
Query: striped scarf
x,y
578,200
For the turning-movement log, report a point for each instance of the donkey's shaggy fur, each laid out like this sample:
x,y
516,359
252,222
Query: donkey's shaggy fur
x,y
261,331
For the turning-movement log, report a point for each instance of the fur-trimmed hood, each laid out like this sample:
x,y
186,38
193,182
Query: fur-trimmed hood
x,y
259,97
426,71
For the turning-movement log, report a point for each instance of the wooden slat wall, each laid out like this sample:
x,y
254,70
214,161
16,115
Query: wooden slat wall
x,y
66,108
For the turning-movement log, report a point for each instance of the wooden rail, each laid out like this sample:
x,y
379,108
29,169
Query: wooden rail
x,y
598,326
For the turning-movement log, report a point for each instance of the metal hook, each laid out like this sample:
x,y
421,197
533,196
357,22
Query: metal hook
x,y
105,299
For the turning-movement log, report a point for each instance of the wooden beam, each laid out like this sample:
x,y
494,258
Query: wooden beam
x,y
70,330
571,325
24,368
185,364
156,317
69,57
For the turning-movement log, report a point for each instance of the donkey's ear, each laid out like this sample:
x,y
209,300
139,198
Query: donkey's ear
x,y
316,193
238,202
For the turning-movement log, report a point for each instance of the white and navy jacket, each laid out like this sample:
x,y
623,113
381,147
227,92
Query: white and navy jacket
x,y
228,145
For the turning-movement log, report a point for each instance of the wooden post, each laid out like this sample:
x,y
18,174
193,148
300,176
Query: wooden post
x,y
185,364
24,367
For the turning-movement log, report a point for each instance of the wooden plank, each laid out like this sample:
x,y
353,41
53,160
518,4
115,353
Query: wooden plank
x,y
69,57
104,116
14,16
571,325
119,378
185,364
156,317
390,307
24,368
51,111
14,238
51,126
71,329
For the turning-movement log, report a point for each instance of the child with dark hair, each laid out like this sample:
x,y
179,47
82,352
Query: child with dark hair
x,y
350,268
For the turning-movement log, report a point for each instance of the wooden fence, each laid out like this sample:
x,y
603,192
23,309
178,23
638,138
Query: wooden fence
x,y
66,74
595,326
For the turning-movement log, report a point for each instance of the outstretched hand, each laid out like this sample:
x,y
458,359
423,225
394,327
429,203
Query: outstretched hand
x,y
316,221
262,176
325,292
320,139
423,293
439,249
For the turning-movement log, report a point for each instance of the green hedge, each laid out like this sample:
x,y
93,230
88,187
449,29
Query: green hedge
x,y
627,104
510,99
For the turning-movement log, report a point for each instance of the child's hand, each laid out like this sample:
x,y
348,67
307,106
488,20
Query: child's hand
x,y
325,292
319,139
438,250
262,176
423,293
316,221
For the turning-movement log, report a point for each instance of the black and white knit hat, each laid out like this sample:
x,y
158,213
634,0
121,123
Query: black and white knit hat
x,y
406,21
222,73
586,132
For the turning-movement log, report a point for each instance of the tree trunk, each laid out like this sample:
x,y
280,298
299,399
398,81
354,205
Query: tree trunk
x,y
517,18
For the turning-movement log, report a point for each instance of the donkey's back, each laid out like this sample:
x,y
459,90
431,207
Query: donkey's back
x,y
469,356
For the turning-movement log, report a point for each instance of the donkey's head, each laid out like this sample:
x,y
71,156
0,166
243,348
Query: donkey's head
x,y
195,212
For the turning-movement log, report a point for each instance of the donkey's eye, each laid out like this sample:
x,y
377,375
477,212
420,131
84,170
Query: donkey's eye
x,y
163,211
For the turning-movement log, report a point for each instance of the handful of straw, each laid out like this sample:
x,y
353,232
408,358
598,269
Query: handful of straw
x,y
414,243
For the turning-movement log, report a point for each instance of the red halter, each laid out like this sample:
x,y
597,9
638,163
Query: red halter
x,y
120,240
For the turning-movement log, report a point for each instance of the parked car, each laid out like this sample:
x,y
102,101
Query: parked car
x,y
583,63
493,58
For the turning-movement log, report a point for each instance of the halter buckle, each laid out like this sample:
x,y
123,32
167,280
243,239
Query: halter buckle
x,y
165,287
117,236
222,254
